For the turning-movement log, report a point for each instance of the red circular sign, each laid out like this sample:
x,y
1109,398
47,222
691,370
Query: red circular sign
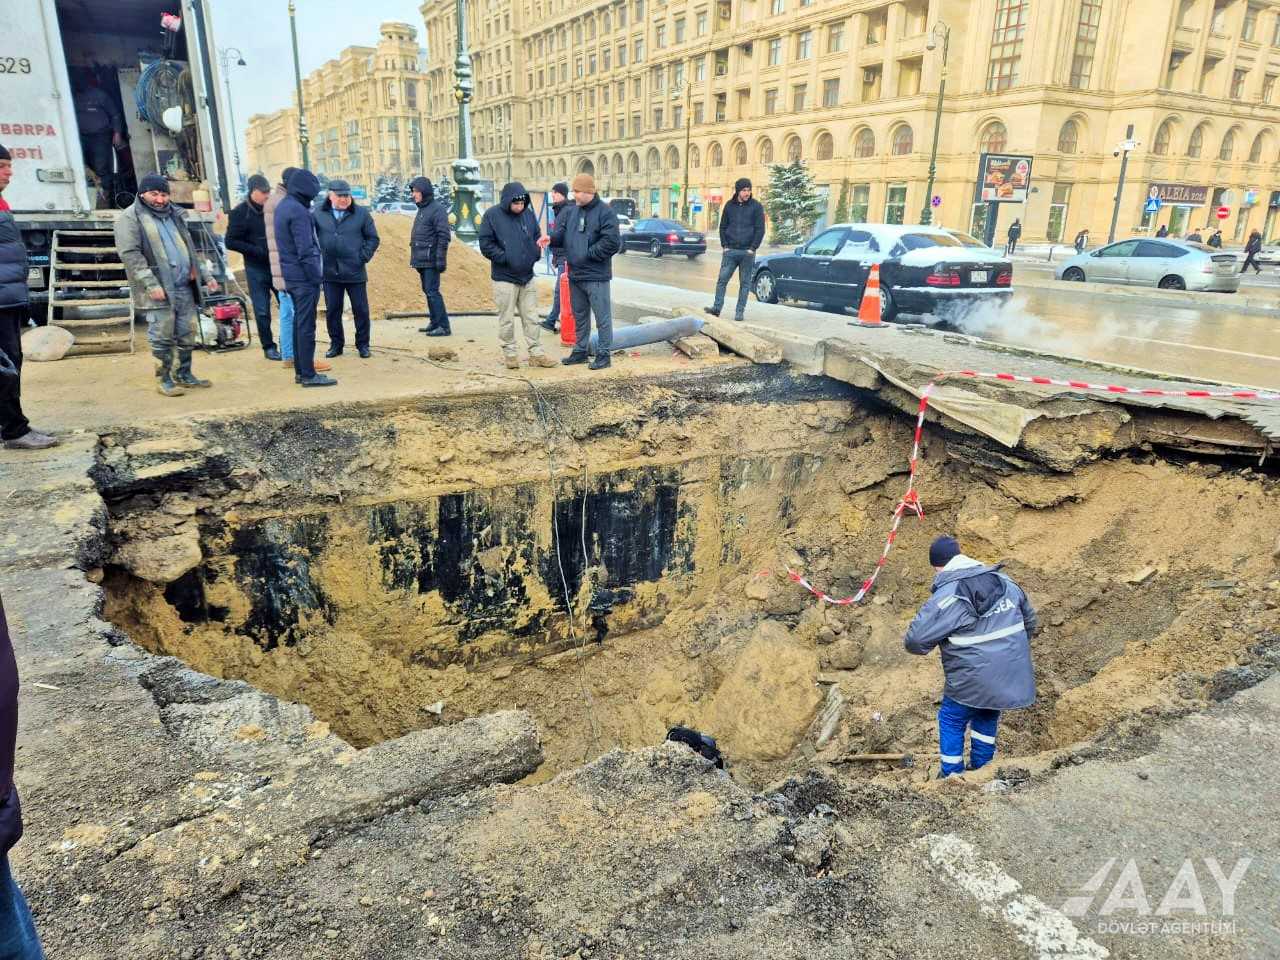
x,y
1222,213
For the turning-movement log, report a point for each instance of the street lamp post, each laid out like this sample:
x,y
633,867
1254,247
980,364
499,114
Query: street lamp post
x,y
225,56
688,133
943,32
303,139
466,171
1125,148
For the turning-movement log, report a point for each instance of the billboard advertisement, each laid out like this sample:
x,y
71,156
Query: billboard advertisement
x,y
1004,177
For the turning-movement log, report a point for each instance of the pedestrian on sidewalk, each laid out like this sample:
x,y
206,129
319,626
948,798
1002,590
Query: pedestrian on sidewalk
x,y
509,240
741,233
168,280
1251,251
981,622
1015,232
1163,231
559,200
1195,237
1082,240
1215,239
18,937
15,431
348,241
247,235
429,252
588,234
300,264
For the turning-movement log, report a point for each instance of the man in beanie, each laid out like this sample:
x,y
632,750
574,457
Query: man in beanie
x,y
300,263
741,233
981,622
15,431
588,234
559,200
429,252
509,236
247,235
168,280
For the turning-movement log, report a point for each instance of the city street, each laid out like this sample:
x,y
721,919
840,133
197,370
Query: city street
x,y
1198,341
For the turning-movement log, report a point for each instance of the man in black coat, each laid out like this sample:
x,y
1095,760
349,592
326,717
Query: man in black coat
x,y
348,241
247,235
741,233
509,236
588,234
429,252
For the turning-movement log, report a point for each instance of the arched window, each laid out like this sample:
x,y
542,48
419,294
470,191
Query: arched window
x,y
1255,151
673,158
994,138
716,157
652,160
739,154
793,150
1228,149
766,151
1161,147
695,157
1196,144
1069,137
903,141
825,147
864,143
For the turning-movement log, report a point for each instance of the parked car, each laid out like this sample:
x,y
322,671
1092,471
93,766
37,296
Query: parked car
x,y
661,237
1269,255
402,207
625,223
923,270
1166,263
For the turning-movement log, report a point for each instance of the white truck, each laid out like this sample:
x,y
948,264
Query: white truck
x,y
146,71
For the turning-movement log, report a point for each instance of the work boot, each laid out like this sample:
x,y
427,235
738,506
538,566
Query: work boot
x,y
440,332
271,353
512,363
541,360
31,440
714,311
185,378
575,357
164,373
601,362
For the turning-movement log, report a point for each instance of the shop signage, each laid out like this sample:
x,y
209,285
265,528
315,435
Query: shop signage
x,y
1004,177
1180,194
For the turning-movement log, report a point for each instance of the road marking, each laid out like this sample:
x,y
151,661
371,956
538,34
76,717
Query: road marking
x,y
1196,346
1048,932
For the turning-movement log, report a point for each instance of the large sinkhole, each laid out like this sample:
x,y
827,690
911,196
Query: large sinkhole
x,y
616,564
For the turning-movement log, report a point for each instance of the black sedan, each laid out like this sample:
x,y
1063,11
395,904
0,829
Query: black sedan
x,y
923,270
659,237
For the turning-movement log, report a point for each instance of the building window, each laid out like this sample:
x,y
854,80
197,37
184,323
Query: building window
x,y
994,138
1219,25
793,150
1255,151
1268,87
677,117
859,202
864,143
1175,61
722,63
804,44
902,142
835,38
777,7
657,118
591,64
1250,27
699,114
740,154
1058,212
774,56
909,73
1069,137
1238,78
895,203
798,95
622,54
1275,34
831,92
1086,42
660,36
871,83
715,157
635,89
1195,146
606,57
824,149
1006,44
1228,149
639,50
766,151
722,106
1161,146
679,30
700,69
770,102
677,75
700,25
876,23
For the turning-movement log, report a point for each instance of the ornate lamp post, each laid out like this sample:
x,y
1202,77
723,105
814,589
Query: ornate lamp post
x,y
225,55
466,171
940,32
303,139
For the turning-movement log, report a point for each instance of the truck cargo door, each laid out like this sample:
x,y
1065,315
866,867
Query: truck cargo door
x,y
38,122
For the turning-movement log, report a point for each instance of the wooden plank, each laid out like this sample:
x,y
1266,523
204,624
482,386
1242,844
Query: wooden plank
x,y
697,346
744,343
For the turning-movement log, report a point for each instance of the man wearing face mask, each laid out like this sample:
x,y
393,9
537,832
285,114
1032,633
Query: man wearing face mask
x,y
167,278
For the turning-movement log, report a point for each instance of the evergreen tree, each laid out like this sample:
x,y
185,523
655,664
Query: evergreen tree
x,y
842,205
390,188
444,192
794,205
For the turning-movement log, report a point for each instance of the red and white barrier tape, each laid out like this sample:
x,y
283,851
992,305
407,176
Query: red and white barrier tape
x,y
910,501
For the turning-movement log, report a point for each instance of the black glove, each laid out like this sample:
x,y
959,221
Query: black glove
x,y
7,369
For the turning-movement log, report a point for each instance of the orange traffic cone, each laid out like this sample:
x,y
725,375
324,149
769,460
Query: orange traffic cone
x,y
568,332
869,309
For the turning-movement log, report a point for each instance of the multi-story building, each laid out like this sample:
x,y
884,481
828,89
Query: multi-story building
x,y
638,91
365,110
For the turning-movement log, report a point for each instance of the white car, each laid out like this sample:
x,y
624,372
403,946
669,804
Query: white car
x,y
625,223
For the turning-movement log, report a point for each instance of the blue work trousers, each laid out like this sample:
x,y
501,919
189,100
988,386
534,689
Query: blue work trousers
x,y
953,720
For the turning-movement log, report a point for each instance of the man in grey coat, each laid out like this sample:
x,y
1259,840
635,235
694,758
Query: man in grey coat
x,y
167,277
981,622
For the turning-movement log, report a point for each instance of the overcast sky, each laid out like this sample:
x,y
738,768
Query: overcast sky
x,y
260,28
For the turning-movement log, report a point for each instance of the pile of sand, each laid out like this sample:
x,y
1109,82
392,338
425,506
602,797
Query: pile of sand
x,y
394,286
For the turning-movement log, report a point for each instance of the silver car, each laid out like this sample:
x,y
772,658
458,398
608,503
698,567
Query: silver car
x,y
1166,263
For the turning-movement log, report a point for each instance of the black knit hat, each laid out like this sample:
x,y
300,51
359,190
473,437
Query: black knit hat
x,y
4,152
153,181
942,550
259,182
561,188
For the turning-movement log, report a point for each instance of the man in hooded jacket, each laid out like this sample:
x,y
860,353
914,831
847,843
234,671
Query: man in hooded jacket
x,y
300,264
741,233
429,252
559,200
509,235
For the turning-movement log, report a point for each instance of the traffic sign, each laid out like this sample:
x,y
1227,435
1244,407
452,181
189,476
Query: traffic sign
x,y
1152,205
1222,213
936,201
696,208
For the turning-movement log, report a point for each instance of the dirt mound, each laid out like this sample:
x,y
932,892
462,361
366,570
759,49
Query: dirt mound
x,y
395,287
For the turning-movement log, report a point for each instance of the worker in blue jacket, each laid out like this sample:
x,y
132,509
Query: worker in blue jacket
x,y
981,622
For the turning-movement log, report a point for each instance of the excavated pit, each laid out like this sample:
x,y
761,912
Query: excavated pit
x,y
406,566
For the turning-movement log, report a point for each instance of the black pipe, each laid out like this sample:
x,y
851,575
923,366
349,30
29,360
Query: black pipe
x,y
210,89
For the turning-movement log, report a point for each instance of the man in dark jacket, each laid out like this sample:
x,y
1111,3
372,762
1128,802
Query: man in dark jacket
x,y
588,234
15,431
741,233
18,937
1015,234
429,252
559,200
509,238
301,267
982,624
1215,240
247,235
1251,251
101,126
348,241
